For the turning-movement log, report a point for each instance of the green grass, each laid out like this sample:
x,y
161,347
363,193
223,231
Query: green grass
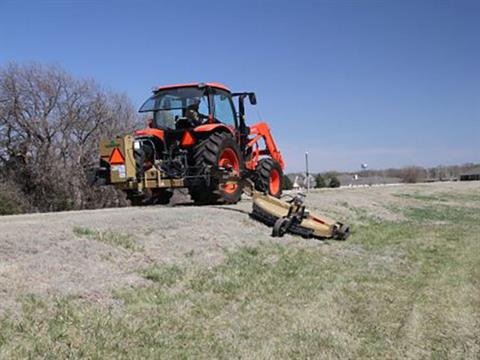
x,y
407,289
422,197
359,215
442,213
108,237
163,275
441,197
463,197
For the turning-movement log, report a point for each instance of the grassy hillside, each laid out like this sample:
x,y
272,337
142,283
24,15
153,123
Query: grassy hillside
x,y
406,288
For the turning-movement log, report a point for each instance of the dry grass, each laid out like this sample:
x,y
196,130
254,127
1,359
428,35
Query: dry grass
x,y
108,237
395,289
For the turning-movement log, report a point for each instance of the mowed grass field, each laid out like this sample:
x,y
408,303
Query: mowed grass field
x,y
406,285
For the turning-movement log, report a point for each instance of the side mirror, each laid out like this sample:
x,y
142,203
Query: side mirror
x,y
253,98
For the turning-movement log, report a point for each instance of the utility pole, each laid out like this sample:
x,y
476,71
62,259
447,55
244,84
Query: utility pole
x,y
306,172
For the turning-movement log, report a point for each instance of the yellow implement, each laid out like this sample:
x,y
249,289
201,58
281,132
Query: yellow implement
x,y
292,216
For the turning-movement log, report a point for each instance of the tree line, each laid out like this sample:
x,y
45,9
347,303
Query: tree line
x,y
50,126
329,179
413,174
408,174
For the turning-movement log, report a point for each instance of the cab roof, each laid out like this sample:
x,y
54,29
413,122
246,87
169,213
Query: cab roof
x,y
211,84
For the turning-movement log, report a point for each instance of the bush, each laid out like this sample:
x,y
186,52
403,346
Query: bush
x,y
413,174
334,182
7,207
319,181
12,201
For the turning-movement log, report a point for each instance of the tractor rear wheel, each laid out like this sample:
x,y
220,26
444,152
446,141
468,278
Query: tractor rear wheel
x,y
219,150
269,177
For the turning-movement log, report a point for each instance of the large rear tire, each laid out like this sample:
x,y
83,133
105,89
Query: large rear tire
x,y
269,177
218,150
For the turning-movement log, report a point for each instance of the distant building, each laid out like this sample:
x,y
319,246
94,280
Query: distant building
x,y
471,175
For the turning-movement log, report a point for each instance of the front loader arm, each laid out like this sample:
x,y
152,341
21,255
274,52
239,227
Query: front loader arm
x,y
262,131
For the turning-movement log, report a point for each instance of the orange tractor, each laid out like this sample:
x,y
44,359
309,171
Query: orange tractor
x,y
197,139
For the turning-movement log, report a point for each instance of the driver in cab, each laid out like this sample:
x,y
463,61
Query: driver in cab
x,y
192,113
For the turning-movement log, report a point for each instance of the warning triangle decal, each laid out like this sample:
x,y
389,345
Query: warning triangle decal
x,y
116,157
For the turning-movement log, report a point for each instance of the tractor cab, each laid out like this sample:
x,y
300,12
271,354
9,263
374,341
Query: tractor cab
x,y
191,105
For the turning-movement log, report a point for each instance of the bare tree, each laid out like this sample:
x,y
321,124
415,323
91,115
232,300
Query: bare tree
x,y
413,174
50,125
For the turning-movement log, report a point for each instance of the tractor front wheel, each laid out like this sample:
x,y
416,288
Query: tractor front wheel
x,y
269,177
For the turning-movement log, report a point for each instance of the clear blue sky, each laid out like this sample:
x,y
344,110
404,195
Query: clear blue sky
x,y
390,83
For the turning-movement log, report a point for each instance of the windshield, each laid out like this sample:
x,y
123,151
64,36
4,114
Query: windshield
x,y
173,99
171,104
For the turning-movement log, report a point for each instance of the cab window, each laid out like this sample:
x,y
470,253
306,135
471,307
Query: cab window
x,y
203,106
223,105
